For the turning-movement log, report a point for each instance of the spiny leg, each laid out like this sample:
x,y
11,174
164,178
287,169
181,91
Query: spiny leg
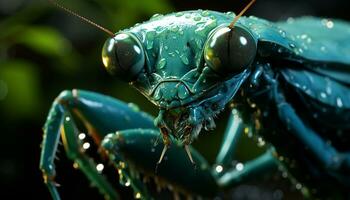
x,y
135,150
74,152
100,114
251,169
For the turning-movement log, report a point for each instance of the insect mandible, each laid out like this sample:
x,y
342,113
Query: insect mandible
x,y
288,82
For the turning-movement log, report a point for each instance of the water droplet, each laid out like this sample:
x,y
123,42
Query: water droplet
x,y
284,174
184,59
282,32
156,16
149,39
230,13
298,186
127,183
174,29
339,102
205,13
261,142
172,54
323,49
292,45
86,145
323,95
290,20
179,14
82,136
328,23
67,119
75,165
100,167
239,166
197,18
138,195
303,36
219,168
161,63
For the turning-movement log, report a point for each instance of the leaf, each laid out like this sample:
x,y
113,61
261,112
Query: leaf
x,y
45,40
19,87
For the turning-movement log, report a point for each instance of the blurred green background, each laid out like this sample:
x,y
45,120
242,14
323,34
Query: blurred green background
x,y
44,51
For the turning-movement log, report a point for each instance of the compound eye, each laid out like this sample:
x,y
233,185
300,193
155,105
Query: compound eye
x,y
123,56
230,51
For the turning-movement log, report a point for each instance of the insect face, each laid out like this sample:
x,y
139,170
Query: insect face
x,y
187,64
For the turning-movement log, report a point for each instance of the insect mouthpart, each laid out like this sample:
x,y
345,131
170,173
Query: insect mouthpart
x,y
170,93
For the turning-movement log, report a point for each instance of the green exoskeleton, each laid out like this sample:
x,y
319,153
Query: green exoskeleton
x,y
282,80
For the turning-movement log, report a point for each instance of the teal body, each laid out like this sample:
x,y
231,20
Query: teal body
x,y
290,86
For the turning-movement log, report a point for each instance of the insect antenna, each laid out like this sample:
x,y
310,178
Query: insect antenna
x,y
55,3
232,24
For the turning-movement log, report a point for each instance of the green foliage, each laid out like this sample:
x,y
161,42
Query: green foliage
x,y
44,50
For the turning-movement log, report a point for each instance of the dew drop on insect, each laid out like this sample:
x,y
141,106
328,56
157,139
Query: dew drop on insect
x,y
75,165
298,186
100,167
239,166
179,14
127,183
86,145
261,142
133,107
197,18
328,23
138,195
184,59
149,39
67,119
82,136
323,95
290,20
161,63
205,13
282,32
172,54
292,45
219,168
156,16
284,174
174,29
230,14
339,102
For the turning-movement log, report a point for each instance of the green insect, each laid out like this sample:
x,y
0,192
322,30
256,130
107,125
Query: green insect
x,y
286,82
